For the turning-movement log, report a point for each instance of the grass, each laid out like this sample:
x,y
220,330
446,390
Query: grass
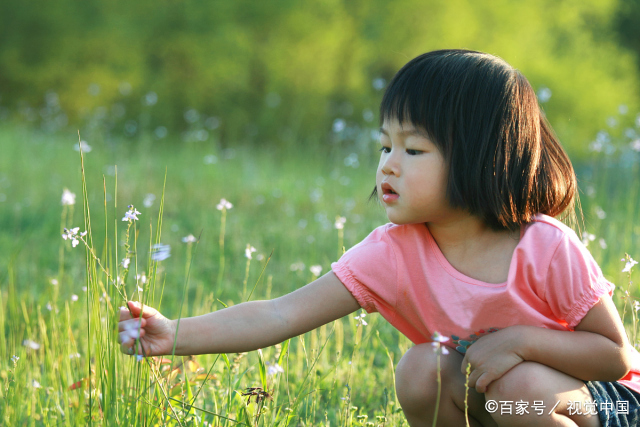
x,y
69,369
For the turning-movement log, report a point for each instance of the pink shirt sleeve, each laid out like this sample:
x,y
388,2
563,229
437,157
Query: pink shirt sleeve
x,y
574,281
368,270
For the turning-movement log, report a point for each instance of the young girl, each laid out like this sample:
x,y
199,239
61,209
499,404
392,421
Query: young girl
x,y
471,176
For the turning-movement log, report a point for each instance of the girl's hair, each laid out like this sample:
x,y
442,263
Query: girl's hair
x,y
505,164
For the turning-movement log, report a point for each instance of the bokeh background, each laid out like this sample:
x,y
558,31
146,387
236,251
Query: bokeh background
x,y
273,106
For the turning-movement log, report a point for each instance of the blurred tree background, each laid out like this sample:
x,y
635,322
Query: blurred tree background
x,y
286,72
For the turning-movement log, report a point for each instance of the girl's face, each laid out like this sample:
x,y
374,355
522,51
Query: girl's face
x,y
412,176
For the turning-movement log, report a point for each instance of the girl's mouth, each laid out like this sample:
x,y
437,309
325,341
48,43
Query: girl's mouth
x,y
389,195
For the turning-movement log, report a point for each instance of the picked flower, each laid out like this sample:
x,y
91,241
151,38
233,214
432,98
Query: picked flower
x,y
189,239
160,252
68,198
224,205
250,249
131,214
360,319
629,265
339,224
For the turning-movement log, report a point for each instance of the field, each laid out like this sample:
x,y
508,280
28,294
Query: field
x,y
60,363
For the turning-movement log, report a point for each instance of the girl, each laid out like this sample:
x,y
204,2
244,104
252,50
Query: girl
x,y
471,176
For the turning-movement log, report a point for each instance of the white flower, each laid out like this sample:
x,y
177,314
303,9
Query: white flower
x,y
54,282
587,237
274,369
636,305
316,270
189,239
131,214
629,265
126,262
35,384
224,205
360,319
74,297
142,278
86,148
140,289
297,266
340,220
68,198
600,213
73,235
148,200
437,341
160,252
31,344
635,145
250,249
15,359
74,356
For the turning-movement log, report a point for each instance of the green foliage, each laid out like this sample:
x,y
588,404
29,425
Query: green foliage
x,y
281,72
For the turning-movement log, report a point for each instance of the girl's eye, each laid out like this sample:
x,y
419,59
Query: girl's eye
x,y
413,152
385,149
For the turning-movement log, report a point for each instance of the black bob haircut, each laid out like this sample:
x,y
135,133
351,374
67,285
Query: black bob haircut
x,y
504,162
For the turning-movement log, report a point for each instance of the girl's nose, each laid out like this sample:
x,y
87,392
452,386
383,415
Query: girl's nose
x,y
389,165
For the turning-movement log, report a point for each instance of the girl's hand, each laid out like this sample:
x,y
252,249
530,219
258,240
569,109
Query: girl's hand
x,y
492,356
155,331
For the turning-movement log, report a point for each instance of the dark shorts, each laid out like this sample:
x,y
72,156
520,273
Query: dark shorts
x,y
617,405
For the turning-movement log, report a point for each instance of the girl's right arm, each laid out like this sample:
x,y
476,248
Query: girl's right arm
x,y
243,327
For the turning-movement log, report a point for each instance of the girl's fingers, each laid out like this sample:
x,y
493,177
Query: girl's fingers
x,y
137,307
124,314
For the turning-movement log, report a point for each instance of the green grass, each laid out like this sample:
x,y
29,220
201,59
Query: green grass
x,y
284,203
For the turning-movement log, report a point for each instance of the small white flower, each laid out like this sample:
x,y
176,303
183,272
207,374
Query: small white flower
x,y
15,359
140,289
600,213
189,239
68,198
587,237
360,319
274,369
629,265
248,251
74,356
131,214
142,278
54,282
31,344
35,384
297,266
49,307
437,341
223,205
160,252
636,305
316,270
339,224
74,297
126,262
73,235
148,200
86,148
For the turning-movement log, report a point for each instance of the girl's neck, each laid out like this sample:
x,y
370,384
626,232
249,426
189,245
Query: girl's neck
x,y
475,249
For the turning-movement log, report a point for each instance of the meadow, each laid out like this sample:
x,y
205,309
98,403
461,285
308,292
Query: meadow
x,y
299,207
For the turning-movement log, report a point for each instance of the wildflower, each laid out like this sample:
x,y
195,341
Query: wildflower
x,y
437,341
360,319
86,148
74,297
629,265
189,239
160,252
339,224
68,198
73,235
148,200
131,331
74,356
600,213
223,205
142,278
274,369
250,249
587,237
636,305
49,307
131,214
54,282
126,262
31,344
15,359
297,266
603,243
35,384
316,270
140,289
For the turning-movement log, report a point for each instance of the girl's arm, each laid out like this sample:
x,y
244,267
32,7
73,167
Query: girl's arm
x,y
252,325
598,349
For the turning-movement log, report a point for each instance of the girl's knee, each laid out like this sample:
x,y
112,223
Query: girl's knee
x,y
417,372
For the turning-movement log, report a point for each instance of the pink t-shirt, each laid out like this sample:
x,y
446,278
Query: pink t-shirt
x,y
400,272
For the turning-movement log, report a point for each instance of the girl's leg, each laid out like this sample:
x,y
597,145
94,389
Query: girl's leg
x,y
540,388
417,388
